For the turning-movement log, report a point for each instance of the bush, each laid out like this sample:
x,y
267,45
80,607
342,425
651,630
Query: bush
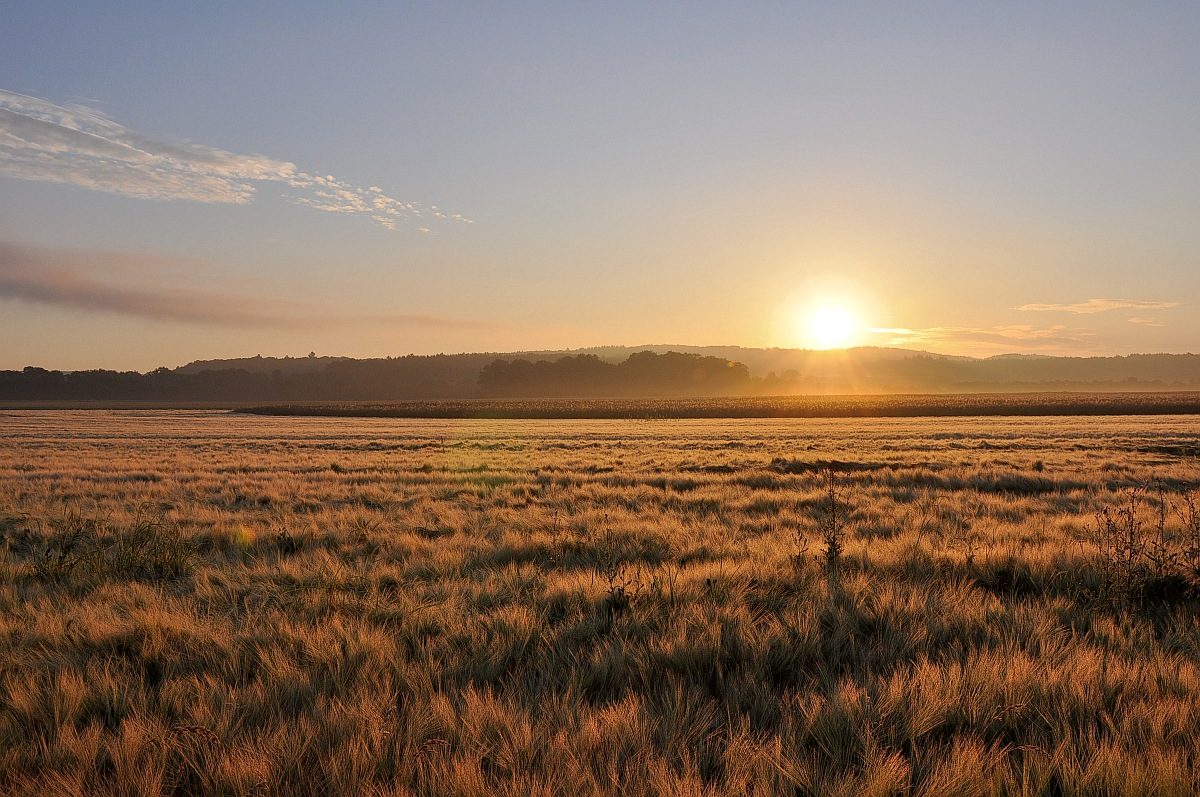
x,y
1148,563
85,551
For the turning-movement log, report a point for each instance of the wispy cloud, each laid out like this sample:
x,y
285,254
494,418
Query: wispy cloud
x,y
83,280
1058,339
1099,306
81,146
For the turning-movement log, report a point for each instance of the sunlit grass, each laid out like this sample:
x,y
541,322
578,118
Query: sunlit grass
x,y
584,607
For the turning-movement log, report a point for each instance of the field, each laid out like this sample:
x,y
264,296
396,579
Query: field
x,y
204,602
859,406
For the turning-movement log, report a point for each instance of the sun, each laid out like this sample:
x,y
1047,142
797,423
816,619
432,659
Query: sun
x,y
829,325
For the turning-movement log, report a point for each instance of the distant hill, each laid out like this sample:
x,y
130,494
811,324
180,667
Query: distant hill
x,y
607,371
887,370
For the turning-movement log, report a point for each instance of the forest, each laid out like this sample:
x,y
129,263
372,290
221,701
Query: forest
x,y
652,371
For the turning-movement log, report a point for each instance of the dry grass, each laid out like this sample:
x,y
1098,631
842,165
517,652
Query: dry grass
x,y
1180,402
193,602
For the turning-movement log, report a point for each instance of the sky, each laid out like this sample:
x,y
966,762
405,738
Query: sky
x,y
185,181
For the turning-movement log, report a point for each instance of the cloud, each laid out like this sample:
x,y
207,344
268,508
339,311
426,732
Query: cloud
x,y
82,280
80,146
1058,339
1099,306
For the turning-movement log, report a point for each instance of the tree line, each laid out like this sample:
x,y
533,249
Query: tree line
x,y
610,372
411,377
642,374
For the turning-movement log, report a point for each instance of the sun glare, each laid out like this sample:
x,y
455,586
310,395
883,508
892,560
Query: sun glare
x,y
829,326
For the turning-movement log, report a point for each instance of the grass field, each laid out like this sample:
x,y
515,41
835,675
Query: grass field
x,y
203,602
859,406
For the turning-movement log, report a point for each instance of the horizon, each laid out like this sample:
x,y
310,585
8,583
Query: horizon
x,y
679,347
190,184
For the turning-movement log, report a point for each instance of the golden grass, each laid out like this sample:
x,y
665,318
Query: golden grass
x,y
890,405
270,606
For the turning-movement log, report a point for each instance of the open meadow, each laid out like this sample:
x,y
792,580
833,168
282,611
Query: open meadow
x,y
205,602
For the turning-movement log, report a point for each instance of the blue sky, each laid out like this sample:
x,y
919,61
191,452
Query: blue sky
x,y
957,178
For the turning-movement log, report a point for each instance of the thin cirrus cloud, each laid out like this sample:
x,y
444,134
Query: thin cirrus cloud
x,y
68,278
1098,306
1055,339
80,146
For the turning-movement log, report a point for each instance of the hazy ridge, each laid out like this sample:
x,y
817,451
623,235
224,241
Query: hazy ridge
x,y
676,371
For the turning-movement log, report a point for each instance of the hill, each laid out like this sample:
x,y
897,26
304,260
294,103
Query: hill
x,y
642,371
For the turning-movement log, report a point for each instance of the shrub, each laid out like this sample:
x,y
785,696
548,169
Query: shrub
x,y
1145,564
86,551
832,523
